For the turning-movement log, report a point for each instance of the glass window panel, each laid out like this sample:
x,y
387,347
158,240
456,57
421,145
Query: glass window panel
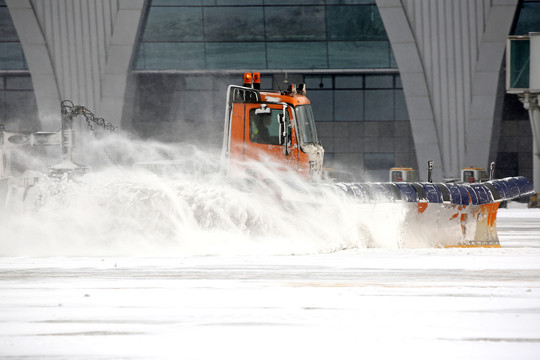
x,y
178,105
180,83
529,19
266,82
3,115
235,55
19,83
377,175
197,109
234,23
350,2
349,105
11,56
358,54
349,82
221,83
293,2
379,81
22,105
233,2
7,29
318,82
322,104
295,23
175,2
138,61
156,92
400,104
393,63
519,65
174,24
378,161
162,56
379,105
198,82
297,55
355,23
399,85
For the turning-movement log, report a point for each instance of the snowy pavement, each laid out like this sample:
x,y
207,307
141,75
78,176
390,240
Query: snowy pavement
x,y
363,303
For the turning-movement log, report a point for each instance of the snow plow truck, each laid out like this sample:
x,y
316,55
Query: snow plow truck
x,y
280,125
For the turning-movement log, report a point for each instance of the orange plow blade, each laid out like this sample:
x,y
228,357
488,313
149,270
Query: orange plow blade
x,y
484,233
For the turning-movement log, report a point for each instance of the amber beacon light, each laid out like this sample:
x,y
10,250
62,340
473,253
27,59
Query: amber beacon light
x,y
257,80
248,80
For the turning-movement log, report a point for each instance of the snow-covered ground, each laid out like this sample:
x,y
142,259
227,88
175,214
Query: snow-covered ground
x,y
383,303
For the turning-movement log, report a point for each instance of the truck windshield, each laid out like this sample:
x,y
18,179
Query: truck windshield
x,y
306,124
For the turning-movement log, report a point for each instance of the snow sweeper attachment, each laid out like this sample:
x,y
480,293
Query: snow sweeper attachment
x,y
448,214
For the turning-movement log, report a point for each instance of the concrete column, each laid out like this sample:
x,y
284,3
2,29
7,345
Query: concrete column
x,y
120,52
39,61
415,86
484,86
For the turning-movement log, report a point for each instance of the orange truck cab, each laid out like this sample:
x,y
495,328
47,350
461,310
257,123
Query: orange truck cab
x,y
270,125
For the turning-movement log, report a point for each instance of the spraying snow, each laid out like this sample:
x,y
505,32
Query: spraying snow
x,y
189,208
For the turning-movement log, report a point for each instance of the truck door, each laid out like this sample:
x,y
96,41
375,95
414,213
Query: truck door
x,y
262,134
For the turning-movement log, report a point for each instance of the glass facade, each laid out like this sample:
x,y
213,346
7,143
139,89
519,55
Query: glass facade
x,y
361,114
177,108
240,34
519,66
514,150
361,119
355,97
11,53
338,47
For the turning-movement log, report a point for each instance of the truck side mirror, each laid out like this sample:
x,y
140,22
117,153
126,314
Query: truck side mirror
x,y
283,131
263,110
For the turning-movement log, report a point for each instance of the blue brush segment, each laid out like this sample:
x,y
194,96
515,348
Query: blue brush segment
x,y
450,193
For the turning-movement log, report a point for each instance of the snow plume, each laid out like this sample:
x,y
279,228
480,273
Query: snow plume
x,y
151,199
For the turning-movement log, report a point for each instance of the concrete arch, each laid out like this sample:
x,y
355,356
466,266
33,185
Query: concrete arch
x,y
485,82
121,48
449,55
78,50
39,62
414,82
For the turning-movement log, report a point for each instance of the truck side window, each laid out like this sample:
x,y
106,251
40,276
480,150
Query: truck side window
x,y
264,128
468,176
397,176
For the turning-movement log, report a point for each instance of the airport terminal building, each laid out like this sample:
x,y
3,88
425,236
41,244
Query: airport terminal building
x,y
391,82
